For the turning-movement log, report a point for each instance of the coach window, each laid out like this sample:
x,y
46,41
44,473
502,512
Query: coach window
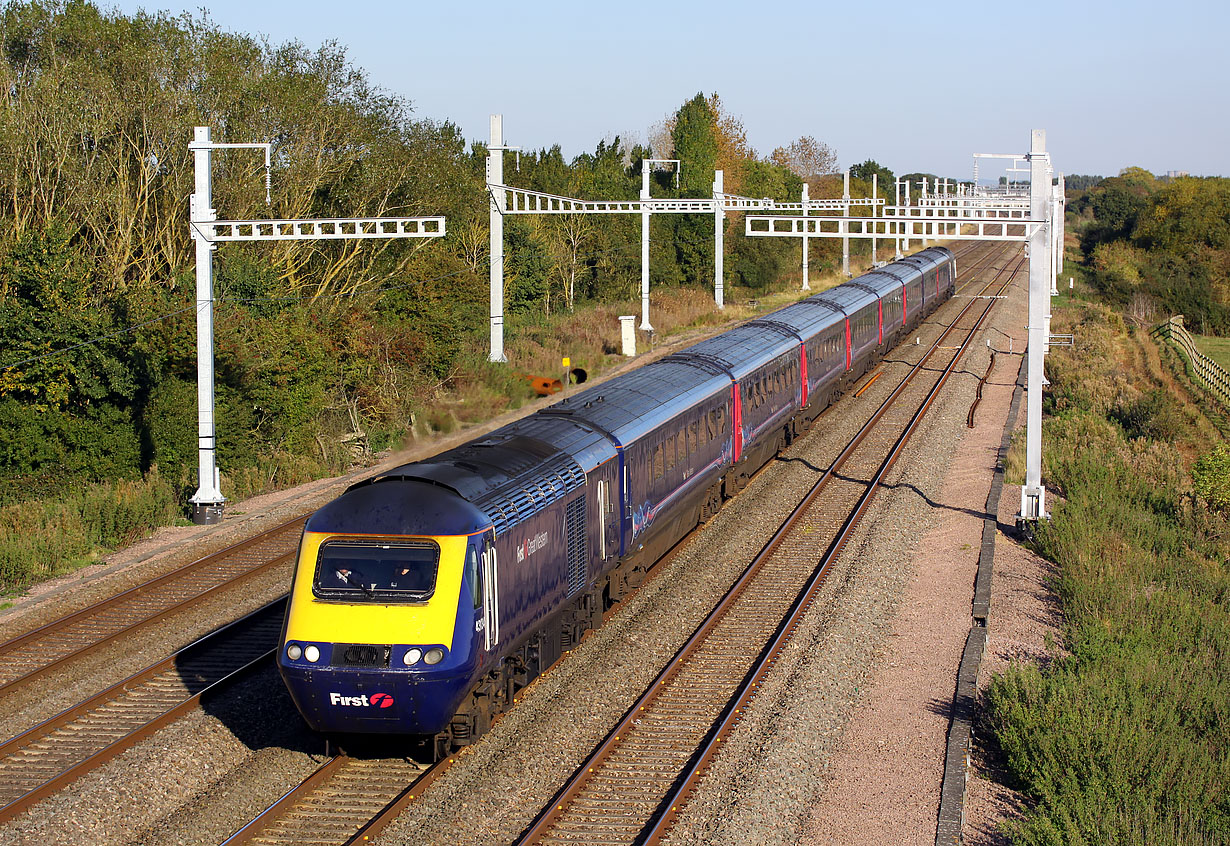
x,y
670,453
695,431
657,462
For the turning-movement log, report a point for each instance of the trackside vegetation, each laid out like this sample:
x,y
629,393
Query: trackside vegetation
x,y
1123,736
326,352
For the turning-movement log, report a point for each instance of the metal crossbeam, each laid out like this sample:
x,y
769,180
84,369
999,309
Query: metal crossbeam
x,y
321,228
523,201
733,202
890,227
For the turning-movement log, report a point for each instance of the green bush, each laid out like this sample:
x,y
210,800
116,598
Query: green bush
x,y
43,539
1124,738
1152,415
1211,478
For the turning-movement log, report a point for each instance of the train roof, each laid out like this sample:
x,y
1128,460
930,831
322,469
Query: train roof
x,y
507,474
882,283
589,447
928,258
636,403
849,298
743,349
398,506
806,317
899,270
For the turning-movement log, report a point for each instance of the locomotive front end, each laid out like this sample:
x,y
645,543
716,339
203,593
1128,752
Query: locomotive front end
x,y
380,632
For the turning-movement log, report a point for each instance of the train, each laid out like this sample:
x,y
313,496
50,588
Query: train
x,y
425,597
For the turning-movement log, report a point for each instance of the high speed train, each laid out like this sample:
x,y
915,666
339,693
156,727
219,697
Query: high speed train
x,y
426,596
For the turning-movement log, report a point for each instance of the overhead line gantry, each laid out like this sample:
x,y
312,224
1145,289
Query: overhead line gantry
x,y
993,217
208,232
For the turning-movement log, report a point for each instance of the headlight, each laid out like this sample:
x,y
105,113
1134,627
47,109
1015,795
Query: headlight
x,y
412,656
312,653
294,652
434,655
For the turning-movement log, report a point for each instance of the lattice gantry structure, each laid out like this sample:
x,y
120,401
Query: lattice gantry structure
x,y
509,200
975,215
208,232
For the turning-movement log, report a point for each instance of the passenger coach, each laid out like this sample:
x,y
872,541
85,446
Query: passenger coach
x,y
425,597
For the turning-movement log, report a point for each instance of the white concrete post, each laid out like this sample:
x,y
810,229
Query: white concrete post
x,y
1033,495
495,176
907,209
923,200
207,501
719,248
897,240
1062,222
645,248
806,242
627,334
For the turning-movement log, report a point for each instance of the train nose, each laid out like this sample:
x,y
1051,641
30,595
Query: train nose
x,y
356,701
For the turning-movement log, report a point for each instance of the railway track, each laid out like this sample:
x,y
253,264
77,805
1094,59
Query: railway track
x,y
633,786
347,800
49,756
350,799
37,653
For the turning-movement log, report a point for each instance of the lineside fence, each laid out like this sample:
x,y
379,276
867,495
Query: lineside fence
x,y
1208,371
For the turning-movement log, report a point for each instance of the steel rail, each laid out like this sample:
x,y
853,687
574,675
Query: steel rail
x,y
349,799
573,789
674,801
275,811
83,737
300,799
77,634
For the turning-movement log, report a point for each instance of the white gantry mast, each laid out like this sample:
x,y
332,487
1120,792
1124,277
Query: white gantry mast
x,y
208,232
975,215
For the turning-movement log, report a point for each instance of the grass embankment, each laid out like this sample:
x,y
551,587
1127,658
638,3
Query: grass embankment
x,y
41,539
1217,349
1125,736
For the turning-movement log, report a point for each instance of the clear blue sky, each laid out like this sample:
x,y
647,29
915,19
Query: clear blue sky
x,y
917,86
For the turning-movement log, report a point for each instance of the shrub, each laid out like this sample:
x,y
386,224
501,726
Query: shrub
x,y
42,539
1211,478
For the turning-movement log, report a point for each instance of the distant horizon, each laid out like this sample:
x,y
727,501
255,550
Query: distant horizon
x,y
547,66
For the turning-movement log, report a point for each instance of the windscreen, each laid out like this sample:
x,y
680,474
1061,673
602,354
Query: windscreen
x,y
374,571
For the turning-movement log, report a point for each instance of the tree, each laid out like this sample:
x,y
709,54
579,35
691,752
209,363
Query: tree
x,y
871,168
695,140
806,158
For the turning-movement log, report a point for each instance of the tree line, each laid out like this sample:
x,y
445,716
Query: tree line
x,y
317,342
1159,246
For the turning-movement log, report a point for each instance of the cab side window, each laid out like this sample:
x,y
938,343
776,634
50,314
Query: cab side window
x,y
473,576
